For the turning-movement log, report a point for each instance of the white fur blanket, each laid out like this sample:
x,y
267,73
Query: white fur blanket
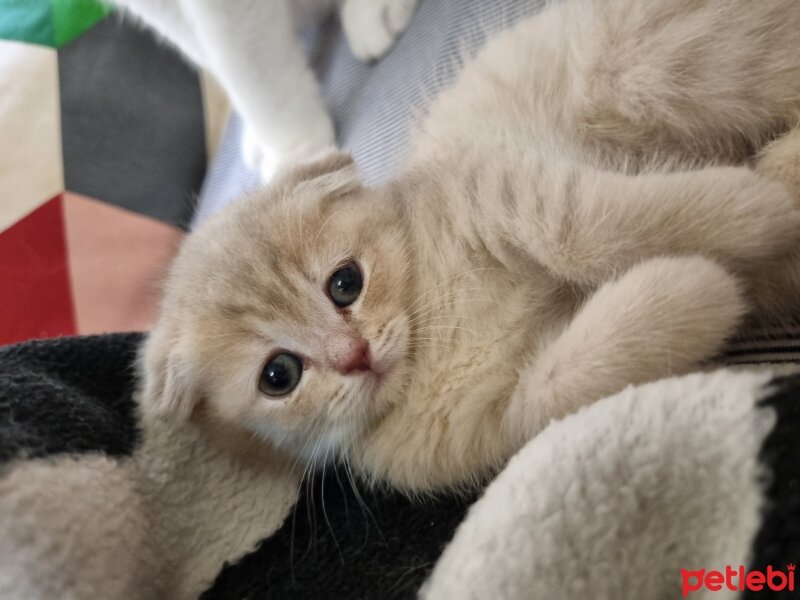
x,y
626,498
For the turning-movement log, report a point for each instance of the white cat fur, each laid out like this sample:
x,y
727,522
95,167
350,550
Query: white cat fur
x,y
251,47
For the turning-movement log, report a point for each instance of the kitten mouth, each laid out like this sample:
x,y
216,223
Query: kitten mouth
x,y
381,367
374,374
378,371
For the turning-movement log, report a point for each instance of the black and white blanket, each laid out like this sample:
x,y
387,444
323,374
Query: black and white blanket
x,y
73,396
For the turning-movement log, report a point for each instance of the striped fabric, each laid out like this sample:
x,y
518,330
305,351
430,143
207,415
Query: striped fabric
x,y
765,345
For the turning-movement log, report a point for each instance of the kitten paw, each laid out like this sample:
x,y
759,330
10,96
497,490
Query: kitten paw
x,y
267,159
777,287
372,26
780,160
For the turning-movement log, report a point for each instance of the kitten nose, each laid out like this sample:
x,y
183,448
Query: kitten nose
x,y
356,359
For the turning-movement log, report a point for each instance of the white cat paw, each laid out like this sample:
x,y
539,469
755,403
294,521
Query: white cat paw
x,y
258,158
372,26
267,160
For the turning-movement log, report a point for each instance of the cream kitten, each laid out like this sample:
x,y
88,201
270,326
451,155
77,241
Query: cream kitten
x,y
577,217
252,49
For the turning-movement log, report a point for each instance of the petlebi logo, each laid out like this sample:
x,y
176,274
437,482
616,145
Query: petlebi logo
x,y
738,579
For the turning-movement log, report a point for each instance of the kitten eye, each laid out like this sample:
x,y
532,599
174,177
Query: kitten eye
x,y
345,285
280,375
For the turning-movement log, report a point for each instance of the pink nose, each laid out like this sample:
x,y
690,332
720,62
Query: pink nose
x,y
356,359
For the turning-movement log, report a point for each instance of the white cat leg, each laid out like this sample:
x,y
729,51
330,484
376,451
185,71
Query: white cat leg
x,y
167,17
257,156
253,51
372,26
662,317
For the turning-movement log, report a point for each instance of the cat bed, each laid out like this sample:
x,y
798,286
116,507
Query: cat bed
x,y
615,501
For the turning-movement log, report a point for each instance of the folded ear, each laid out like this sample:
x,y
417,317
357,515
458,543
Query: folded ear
x,y
332,175
168,389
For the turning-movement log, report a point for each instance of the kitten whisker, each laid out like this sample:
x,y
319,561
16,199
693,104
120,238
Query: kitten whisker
x,y
325,510
451,294
451,279
307,470
304,444
311,506
361,501
452,302
447,327
441,307
443,343
437,317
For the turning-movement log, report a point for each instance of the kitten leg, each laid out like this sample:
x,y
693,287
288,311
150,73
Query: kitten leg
x,y
710,79
780,160
253,50
372,26
660,318
777,288
586,225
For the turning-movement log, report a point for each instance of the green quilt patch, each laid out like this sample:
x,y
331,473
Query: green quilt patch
x,y
49,22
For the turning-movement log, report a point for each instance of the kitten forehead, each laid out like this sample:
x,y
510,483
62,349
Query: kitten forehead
x,y
268,257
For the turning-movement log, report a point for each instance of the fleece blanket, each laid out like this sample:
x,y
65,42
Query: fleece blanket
x,y
657,491
684,487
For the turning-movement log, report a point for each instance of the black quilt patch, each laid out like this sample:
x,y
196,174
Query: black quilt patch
x,y
345,544
132,121
68,395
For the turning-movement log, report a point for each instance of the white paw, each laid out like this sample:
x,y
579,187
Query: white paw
x,y
267,159
258,158
372,26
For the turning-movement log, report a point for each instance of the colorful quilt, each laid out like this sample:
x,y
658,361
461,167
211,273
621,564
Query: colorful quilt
x,y
104,138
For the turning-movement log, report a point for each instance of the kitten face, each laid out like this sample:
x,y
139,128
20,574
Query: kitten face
x,y
286,315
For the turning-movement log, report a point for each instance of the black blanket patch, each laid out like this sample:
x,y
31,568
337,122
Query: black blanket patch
x,y
68,395
345,542
777,543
